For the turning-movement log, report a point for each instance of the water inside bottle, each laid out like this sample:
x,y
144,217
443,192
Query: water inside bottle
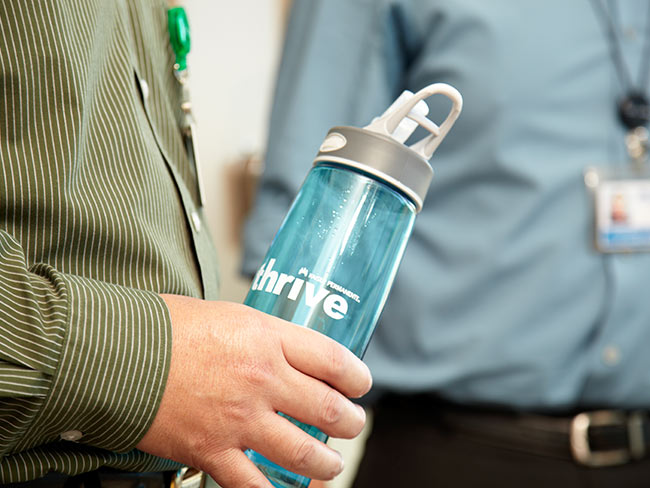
x,y
331,266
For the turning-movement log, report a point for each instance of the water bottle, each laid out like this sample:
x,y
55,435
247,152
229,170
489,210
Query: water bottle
x,y
333,261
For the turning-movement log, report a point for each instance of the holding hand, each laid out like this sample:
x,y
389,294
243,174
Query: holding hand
x,y
233,368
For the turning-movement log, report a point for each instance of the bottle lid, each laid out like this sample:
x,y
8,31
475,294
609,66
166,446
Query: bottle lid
x,y
379,150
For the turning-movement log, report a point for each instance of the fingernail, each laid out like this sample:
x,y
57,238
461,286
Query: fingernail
x,y
361,411
369,376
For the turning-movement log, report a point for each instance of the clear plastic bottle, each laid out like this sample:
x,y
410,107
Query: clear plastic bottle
x,y
333,261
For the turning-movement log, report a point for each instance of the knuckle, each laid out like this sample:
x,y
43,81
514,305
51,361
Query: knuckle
x,y
240,412
303,455
337,361
257,373
214,463
332,407
225,465
243,420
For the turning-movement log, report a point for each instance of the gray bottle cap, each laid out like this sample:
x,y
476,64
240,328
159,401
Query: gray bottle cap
x,y
381,157
378,149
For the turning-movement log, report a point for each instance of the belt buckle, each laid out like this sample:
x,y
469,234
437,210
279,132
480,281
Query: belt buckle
x,y
579,437
188,478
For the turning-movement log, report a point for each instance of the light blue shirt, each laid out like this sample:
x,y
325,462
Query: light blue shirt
x,y
500,297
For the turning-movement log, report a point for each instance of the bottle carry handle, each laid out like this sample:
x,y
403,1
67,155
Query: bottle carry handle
x,y
409,106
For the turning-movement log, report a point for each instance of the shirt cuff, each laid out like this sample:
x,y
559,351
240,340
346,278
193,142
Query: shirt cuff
x,y
112,369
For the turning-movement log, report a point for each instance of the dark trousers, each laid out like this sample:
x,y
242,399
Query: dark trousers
x,y
102,478
423,443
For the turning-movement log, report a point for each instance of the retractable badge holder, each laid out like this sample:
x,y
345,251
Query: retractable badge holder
x,y
179,36
621,198
621,193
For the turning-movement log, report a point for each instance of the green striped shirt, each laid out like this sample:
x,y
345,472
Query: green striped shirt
x,y
99,213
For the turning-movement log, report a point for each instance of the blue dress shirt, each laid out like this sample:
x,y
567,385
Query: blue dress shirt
x,y
501,298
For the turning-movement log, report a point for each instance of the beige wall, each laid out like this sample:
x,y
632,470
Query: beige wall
x,y
235,49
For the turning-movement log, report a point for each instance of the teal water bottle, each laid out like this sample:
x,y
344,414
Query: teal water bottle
x,y
333,261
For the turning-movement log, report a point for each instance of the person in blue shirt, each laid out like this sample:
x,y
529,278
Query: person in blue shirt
x,y
505,329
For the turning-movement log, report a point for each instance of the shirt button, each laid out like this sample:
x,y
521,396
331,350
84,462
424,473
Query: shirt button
x,y
144,88
611,355
72,435
196,221
630,33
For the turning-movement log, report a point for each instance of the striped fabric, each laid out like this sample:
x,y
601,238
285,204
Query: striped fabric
x,y
98,214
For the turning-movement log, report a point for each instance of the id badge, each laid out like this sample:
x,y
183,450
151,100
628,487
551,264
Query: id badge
x,y
621,202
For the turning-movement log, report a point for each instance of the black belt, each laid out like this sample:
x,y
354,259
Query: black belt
x,y
108,477
594,438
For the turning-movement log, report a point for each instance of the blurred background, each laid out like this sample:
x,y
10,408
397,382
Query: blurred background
x,y
235,53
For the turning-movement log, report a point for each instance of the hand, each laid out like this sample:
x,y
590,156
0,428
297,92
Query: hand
x,y
232,369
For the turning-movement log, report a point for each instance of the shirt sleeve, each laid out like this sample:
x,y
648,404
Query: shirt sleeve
x,y
342,64
80,359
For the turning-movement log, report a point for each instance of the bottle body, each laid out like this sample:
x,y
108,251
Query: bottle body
x,y
331,266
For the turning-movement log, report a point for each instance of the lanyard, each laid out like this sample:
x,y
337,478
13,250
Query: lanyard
x,y
179,38
634,107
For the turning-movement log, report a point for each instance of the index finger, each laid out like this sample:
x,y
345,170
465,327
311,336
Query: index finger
x,y
321,357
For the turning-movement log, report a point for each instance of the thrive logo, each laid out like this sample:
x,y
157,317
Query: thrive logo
x,y
268,280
